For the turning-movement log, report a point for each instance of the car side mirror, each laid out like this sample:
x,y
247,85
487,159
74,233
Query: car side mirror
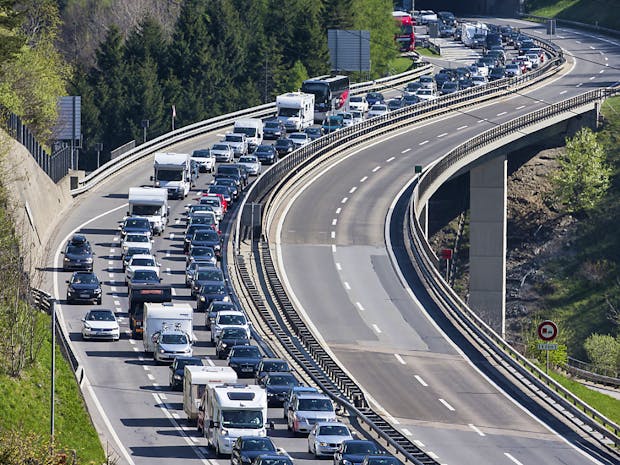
x,y
62,252
83,319
67,281
152,178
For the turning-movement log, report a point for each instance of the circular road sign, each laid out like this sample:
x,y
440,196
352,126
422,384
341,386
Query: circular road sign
x,y
547,330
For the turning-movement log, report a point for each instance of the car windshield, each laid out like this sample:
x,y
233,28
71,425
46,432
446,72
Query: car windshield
x,y
234,138
142,262
100,315
360,448
220,147
210,275
234,332
206,235
183,362
77,249
263,149
211,202
232,320
250,419
282,380
258,444
250,351
131,251
334,430
298,136
214,289
199,208
275,366
356,99
85,279
201,153
272,125
283,143
315,405
146,274
137,238
201,252
247,160
171,338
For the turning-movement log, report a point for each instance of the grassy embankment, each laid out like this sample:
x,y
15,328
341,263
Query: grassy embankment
x,y
605,13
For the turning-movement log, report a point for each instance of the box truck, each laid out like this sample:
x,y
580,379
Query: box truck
x,y
253,130
150,203
138,295
195,381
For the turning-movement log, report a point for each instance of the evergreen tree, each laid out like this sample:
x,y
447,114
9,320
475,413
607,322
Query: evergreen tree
x,y
376,17
10,21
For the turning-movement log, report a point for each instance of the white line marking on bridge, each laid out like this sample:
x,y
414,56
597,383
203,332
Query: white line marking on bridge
x,y
141,358
419,443
400,359
424,142
111,275
443,134
167,253
353,189
334,221
578,41
390,159
364,179
432,455
360,306
512,458
117,303
406,432
112,250
333,234
338,210
406,150
376,168
592,77
338,266
136,349
173,291
461,127
113,288
110,262
601,71
420,380
151,377
579,85
502,113
177,221
376,328
168,271
592,47
520,107
446,404
163,396
347,286
477,430
146,368
115,239
132,342
333,248
344,200
563,92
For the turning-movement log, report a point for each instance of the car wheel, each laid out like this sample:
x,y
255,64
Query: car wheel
x,y
218,454
99,301
289,426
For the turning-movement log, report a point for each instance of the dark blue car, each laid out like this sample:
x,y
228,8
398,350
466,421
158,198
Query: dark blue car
x,y
84,287
244,360
353,451
277,384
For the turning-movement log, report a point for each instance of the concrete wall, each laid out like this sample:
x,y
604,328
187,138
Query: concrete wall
x,y
36,202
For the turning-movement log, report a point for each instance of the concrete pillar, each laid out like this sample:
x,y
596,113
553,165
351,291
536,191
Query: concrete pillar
x,y
487,236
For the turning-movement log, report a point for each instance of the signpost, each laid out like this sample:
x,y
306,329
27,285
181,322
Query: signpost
x,y
547,331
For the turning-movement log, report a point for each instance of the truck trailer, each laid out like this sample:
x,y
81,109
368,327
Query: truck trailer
x,y
195,381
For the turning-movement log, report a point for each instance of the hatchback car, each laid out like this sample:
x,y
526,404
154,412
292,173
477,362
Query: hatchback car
x,y
205,276
171,343
131,251
268,365
204,159
208,293
201,254
223,153
100,324
229,338
78,254
244,360
215,203
84,287
496,73
215,307
177,369
284,146
291,394
266,154
224,192
189,234
274,129
353,451
277,385
326,437
450,87
135,224
142,276
207,238
251,163
247,448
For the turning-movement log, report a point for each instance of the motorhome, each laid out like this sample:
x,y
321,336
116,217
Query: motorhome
x,y
295,110
139,294
233,410
195,381
151,203
253,130
173,171
159,316
470,33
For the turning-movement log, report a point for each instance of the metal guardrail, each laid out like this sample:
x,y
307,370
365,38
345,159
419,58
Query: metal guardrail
x,y
187,132
421,254
577,24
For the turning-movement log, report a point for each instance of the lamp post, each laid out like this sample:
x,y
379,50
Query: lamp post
x,y
53,370
98,148
145,124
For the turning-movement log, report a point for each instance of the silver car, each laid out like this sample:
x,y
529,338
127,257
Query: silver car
x,y
223,153
326,436
251,163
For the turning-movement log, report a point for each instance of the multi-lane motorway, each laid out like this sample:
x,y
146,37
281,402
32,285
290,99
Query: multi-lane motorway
x,y
335,251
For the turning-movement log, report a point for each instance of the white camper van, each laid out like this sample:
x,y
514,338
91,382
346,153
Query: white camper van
x,y
195,381
150,203
173,171
253,130
295,110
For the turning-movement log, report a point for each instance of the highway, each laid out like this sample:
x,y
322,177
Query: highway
x,y
333,246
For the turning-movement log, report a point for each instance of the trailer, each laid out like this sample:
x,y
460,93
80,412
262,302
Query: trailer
x,y
195,381
150,203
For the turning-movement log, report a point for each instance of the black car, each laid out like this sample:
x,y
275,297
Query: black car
x,y
225,191
217,306
450,87
244,360
353,451
284,146
231,184
78,254
444,75
272,459
381,460
208,293
204,276
84,287
411,87
201,254
235,171
314,132
177,369
266,154
274,129
410,99
374,97
268,365
135,224
145,277
204,219
189,233
131,251
207,238
395,103
247,448
498,72
277,385
229,338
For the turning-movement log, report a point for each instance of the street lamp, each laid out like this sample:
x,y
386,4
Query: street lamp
x,y
145,124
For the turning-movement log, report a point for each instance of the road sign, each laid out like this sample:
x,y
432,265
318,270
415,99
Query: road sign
x,y
547,330
547,346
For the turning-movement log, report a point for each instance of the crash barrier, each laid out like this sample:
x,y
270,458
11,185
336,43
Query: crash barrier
x,y
421,254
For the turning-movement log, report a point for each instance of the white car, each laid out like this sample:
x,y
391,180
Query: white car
x,y
326,436
358,103
227,319
357,117
378,110
100,324
479,80
534,58
238,142
525,60
426,94
427,82
140,262
215,203
136,240
205,160
223,152
300,139
481,69
251,163
347,118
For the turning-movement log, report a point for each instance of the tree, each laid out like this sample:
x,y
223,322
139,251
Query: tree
x,y
583,176
12,39
294,77
376,17
604,353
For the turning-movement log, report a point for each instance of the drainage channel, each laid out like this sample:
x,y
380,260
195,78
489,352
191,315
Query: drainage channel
x,y
293,334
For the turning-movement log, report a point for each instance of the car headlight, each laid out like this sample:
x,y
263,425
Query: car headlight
x,y
89,260
224,345
323,444
162,351
67,259
188,349
87,326
202,298
178,377
98,291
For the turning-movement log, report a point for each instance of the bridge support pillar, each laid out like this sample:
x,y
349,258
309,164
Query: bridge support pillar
x,y
487,235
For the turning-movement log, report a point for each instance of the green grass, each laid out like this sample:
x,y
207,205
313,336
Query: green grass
x,y
602,12
425,52
400,65
25,405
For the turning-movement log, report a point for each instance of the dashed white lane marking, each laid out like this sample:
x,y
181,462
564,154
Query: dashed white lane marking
x,y
376,168
432,455
443,134
481,121
175,415
111,275
563,92
406,432
376,328
146,368
424,142
163,396
344,200
601,71
446,404
461,127
115,239
338,266
477,430
364,179
173,291
400,359
420,380
334,221
406,150
177,221
606,59
112,250
347,286
117,303
210,362
592,47
578,41
155,385
390,159
333,248
136,349
512,458
151,377
338,210
171,236
113,288
167,253
579,85
502,113
132,342
333,234
419,443
353,189
168,271
520,107
141,358
110,262
592,77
